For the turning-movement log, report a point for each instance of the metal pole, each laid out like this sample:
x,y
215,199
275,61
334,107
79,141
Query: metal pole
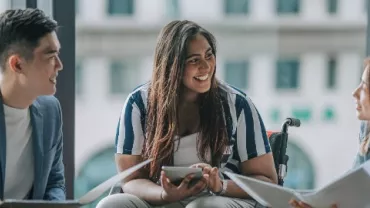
x,y
66,85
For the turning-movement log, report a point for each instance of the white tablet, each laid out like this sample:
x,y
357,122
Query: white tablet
x,y
176,174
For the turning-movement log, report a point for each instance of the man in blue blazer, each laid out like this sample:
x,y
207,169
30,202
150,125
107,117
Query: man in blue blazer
x,y
31,139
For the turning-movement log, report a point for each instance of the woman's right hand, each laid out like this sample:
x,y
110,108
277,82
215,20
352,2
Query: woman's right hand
x,y
172,193
300,204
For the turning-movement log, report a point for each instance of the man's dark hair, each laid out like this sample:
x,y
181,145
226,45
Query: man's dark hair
x,y
20,32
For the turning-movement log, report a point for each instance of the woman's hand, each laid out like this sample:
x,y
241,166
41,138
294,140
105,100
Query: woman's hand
x,y
172,193
213,179
211,175
300,204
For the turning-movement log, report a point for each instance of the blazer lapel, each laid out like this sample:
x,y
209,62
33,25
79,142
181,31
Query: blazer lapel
x,y
38,147
2,148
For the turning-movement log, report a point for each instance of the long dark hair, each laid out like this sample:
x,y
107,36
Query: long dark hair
x,y
163,101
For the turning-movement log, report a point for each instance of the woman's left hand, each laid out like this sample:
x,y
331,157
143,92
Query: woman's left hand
x,y
211,175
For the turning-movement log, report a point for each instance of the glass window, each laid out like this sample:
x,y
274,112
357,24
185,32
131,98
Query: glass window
x,y
304,114
287,74
77,6
121,7
331,74
172,8
236,73
301,173
239,7
123,77
287,6
18,4
91,175
332,6
79,81
328,114
275,115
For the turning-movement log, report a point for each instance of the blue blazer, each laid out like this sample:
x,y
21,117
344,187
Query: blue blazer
x,y
46,121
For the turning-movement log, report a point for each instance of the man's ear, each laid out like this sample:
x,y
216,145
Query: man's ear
x,y
14,62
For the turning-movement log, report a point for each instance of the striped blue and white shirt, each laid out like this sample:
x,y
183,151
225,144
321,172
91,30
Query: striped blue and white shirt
x,y
245,128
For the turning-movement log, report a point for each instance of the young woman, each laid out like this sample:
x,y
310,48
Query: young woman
x,y
362,98
186,117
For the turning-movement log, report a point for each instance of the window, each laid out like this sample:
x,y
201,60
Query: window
x,y
287,74
236,73
120,7
301,172
77,6
91,175
236,7
275,115
172,8
332,6
287,6
331,74
18,4
78,74
328,114
123,77
303,114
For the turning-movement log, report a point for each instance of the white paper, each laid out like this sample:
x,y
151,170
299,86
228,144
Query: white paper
x,y
350,190
267,194
86,199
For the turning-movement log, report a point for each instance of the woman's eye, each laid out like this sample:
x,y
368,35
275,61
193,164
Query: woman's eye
x,y
209,56
193,61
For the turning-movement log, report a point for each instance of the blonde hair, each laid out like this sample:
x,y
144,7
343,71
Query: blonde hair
x,y
364,145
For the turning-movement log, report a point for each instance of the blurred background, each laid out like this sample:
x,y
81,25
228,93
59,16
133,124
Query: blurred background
x,y
294,58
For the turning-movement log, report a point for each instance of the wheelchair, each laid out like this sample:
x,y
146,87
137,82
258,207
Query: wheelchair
x,y
278,142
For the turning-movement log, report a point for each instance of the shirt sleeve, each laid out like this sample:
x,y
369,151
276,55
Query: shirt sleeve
x,y
251,136
130,129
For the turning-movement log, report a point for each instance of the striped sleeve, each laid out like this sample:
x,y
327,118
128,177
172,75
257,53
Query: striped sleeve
x,y
251,137
130,129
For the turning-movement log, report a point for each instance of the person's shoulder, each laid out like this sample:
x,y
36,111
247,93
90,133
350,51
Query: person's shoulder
x,y
140,93
232,93
47,101
47,105
230,89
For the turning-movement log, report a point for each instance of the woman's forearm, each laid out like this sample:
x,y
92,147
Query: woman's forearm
x,y
235,191
145,190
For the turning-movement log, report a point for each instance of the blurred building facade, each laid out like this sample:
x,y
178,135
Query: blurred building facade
x,y
299,58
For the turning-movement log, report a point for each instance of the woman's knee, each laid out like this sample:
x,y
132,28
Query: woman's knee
x,y
207,202
219,202
122,201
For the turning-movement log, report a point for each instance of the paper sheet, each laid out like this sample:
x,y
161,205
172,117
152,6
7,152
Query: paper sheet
x,y
350,190
86,199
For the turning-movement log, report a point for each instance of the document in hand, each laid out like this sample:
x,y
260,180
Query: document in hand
x,y
86,199
350,190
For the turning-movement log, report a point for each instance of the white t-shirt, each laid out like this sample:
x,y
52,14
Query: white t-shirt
x,y
19,169
186,154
